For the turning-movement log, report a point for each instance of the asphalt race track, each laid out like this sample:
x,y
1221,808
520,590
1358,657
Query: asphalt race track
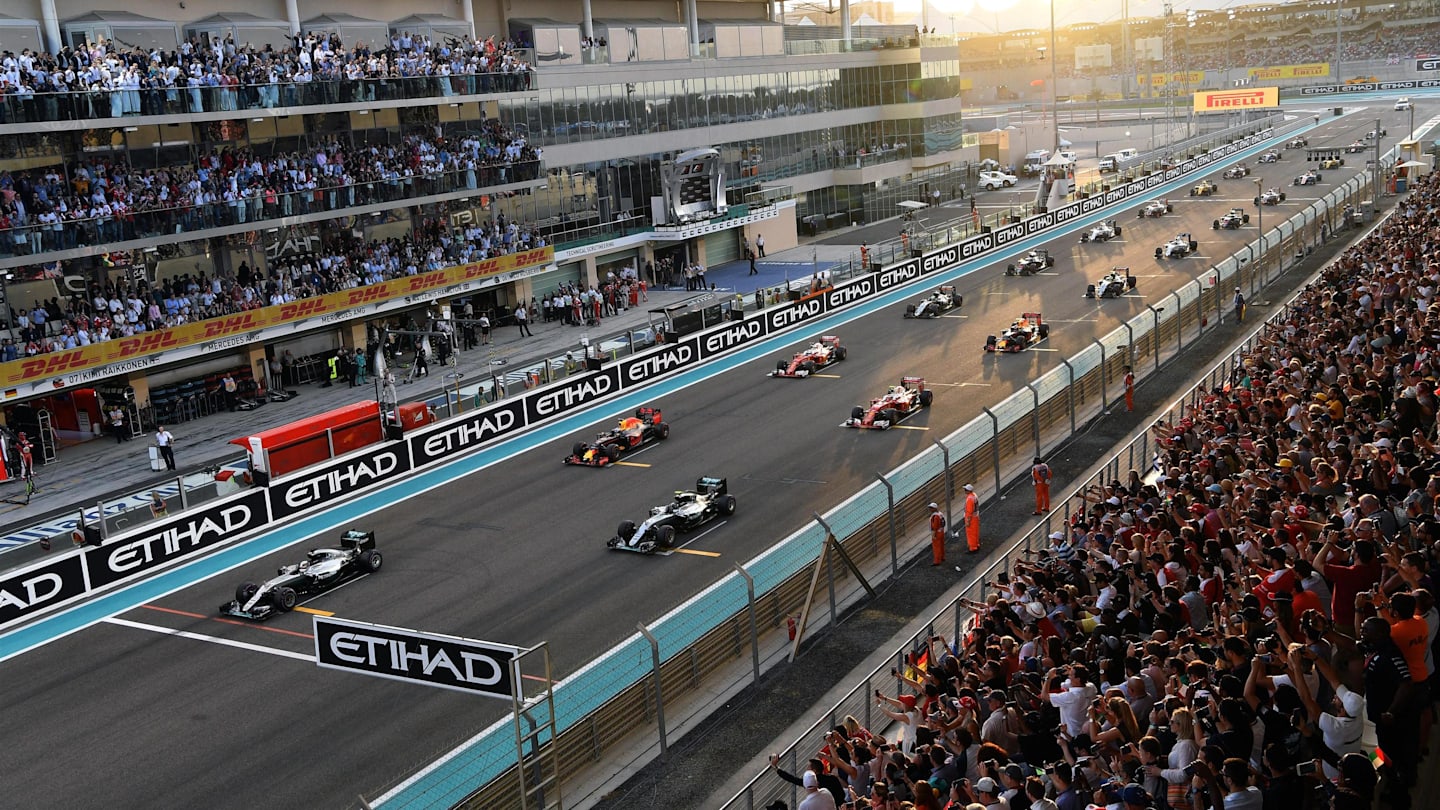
x,y
128,713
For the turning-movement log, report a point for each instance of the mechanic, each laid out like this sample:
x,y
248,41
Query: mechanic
x,y
1129,389
972,518
937,535
1239,301
1040,475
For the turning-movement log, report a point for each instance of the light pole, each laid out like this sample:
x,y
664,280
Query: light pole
x,y
5,294
1260,212
1339,13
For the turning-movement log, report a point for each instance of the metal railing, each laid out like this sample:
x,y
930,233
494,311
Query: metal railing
x,y
617,694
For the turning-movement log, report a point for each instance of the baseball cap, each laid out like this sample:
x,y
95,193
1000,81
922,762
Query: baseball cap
x,y
1112,501
934,505
967,702
907,700
1354,704
969,487
1285,462
1057,535
1134,794
811,780
987,785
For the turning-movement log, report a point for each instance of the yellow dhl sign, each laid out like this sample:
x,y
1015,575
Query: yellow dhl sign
x,y
1178,77
1249,98
1310,71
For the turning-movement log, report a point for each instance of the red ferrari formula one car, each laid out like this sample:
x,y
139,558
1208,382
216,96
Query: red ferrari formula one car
x,y
817,355
631,434
886,411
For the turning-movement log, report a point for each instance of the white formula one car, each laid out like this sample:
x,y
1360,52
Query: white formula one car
x,y
1269,157
1115,283
321,570
1297,143
1236,172
1158,208
1178,248
688,510
1309,178
1270,196
1102,232
1232,220
935,304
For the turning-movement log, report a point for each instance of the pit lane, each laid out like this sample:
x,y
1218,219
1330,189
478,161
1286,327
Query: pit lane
x,y
515,553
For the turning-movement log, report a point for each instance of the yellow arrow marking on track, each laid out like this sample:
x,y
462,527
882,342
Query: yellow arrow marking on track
x,y
908,427
827,376
314,611
630,464
697,552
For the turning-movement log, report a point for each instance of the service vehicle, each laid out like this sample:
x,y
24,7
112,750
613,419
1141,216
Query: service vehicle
x,y
1034,162
321,570
1297,143
1271,156
1116,161
1236,172
1309,178
1157,208
688,510
1102,232
1356,147
1231,220
807,361
935,304
1402,104
633,432
1270,196
1031,263
895,405
1023,333
993,180
1204,188
1113,284
1178,248
1332,163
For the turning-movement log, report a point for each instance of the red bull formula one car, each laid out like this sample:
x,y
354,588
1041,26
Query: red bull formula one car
x,y
885,411
807,361
632,433
1024,332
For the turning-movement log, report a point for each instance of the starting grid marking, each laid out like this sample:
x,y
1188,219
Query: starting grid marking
x,y
683,548
224,642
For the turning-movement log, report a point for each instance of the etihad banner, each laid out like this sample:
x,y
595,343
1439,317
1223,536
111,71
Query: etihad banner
x,y
1249,98
1178,77
1273,72
233,331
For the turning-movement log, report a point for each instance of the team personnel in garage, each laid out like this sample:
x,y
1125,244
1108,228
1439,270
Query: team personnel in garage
x,y
937,535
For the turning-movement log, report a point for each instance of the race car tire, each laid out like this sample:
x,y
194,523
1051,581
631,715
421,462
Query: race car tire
x,y
1142,213
665,536
726,504
1049,261
370,561
839,353
283,598
1084,237
959,301
1009,269
1169,208
926,397
1245,218
857,413
890,415
1215,225
245,591
662,431
1194,246
1319,178
1282,196
909,310
612,452
781,366
625,531
578,451
1044,331
1117,230
1257,200
1159,253
808,366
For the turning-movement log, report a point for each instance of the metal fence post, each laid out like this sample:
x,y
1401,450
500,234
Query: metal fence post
x,y
184,497
1070,393
1104,378
890,515
995,445
1156,340
949,478
659,696
1035,416
1129,347
754,627
1179,322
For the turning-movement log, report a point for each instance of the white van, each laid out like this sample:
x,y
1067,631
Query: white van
x,y
1034,162
1115,161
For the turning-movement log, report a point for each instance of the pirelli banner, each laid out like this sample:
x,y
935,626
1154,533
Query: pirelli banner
x,y
1312,70
99,360
1182,77
45,586
1247,98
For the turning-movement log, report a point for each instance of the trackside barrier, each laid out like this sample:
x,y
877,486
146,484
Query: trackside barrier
x,y
605,701
48,585
1136,457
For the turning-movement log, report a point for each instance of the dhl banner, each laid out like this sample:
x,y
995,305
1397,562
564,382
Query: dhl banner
x,y
1178,77
233,331
1248,98
1273,72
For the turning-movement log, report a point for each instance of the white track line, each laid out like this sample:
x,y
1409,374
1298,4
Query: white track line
x,y
165,631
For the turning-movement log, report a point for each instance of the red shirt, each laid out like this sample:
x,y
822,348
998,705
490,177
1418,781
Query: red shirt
x,y
1345,582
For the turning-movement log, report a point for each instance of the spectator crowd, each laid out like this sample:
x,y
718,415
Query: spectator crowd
x,y
208,73
125,308
95,200
1250,624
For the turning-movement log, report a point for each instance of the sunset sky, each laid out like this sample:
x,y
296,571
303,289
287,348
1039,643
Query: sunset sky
x,y
1011,15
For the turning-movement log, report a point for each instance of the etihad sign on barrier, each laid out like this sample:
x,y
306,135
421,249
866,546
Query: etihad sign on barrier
x,y
1250,98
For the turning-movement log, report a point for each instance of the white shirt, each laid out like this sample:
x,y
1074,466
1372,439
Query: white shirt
x,y
1074,704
